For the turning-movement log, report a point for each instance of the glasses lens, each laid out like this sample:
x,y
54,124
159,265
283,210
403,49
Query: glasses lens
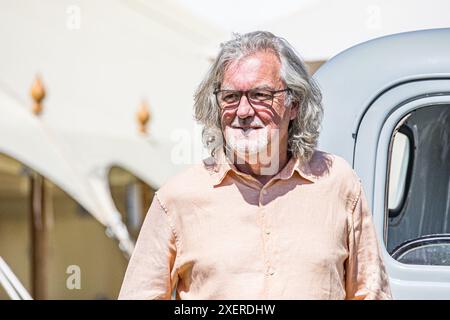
x,y
260,95
229,98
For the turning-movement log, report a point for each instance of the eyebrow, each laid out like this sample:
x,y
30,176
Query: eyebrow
x,y
265,86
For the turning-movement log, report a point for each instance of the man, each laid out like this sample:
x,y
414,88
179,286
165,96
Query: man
x,y
267,216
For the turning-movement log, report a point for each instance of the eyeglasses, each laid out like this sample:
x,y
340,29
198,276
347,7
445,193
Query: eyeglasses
x,y
262,98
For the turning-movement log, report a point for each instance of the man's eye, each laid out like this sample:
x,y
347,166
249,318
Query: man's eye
x,y
261,95
230,97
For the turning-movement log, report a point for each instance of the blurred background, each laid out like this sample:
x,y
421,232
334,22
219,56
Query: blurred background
x,y
96,113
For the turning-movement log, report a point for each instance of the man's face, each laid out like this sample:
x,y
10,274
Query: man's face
x,y
254,129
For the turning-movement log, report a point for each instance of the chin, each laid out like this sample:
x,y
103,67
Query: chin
x,y
245,148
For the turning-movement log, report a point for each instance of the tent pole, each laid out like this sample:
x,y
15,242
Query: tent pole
x,y
39,238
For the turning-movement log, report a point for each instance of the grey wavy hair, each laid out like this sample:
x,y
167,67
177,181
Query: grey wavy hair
x,y
303,130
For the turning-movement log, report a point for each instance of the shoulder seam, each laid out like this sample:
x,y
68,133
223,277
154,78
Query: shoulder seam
x,y
358,195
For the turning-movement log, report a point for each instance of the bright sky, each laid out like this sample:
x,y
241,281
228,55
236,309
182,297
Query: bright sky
x,y
322,28
243,15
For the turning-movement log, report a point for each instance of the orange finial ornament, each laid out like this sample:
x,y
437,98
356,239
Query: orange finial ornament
x,y
143,116
38,94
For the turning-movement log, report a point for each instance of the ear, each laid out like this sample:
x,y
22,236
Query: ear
x,y
293,112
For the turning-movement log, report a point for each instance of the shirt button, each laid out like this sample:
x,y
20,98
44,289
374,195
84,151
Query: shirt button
x,y
267,231
270,271
264,192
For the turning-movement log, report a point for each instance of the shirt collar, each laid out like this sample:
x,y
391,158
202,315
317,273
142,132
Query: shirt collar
x,y
220,166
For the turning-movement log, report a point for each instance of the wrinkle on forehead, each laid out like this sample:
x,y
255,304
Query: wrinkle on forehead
x,y
255,70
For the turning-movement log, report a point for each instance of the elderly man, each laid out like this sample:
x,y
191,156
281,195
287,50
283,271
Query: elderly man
x,y
267,216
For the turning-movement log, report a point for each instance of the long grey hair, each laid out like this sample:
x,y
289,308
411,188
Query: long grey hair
x,y
303,130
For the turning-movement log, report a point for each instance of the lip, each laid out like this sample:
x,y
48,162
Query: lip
x,y
246,128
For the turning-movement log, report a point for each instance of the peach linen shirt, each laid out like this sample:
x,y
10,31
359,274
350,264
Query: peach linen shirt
x,y
213,232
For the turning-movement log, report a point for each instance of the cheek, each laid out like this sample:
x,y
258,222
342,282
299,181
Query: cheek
x,y
227,118
270,118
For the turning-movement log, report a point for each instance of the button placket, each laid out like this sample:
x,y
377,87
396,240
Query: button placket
x,y
269,253
265,230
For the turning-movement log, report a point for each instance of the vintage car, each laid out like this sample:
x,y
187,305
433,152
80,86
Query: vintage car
x,y
387,112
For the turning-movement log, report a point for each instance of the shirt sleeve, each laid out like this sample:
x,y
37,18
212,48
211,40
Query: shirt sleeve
x,y
150,273
366,276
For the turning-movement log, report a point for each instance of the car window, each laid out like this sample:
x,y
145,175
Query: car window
x,y
418,197
400,160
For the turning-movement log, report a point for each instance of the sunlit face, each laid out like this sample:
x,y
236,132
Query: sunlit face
x,y
249,130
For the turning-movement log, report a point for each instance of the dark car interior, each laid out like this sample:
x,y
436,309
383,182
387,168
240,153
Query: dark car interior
x,y
418,228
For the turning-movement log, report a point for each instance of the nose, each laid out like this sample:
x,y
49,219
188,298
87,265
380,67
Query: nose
x,y
245,110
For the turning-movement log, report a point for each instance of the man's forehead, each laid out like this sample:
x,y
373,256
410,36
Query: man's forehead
x,y
258,69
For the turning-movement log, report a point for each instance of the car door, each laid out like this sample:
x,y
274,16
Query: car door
x,y
402,154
